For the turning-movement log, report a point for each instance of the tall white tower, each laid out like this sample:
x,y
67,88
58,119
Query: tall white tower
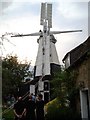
x,y
47,58
47,54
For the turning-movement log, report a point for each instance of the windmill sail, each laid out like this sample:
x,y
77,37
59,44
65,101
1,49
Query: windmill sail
x,y
32,34
43,14
59,32
49,15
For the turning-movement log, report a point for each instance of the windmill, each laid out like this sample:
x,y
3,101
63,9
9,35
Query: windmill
x,y
47,57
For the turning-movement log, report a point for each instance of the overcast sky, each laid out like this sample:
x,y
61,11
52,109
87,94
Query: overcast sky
x,y
24,17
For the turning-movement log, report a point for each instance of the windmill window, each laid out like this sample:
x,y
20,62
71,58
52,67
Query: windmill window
x,y
44,31
43,66
46,86
43,50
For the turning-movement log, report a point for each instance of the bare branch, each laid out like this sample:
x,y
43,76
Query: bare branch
x,y
4,38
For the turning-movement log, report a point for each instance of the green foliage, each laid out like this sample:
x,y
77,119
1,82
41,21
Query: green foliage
x,y
56,112
8,115
64,86
13,72
66,93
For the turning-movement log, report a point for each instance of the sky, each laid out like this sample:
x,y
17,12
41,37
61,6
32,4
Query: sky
x,y
23,17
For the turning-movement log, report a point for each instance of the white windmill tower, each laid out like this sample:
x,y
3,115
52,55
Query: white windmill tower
x,y
47,57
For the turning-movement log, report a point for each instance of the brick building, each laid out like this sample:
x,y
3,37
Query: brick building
x,y
78,60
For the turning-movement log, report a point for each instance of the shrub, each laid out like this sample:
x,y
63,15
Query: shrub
x,y
8,115
56,112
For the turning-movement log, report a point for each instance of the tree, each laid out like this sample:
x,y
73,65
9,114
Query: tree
x,y
64,87
13,72
65,93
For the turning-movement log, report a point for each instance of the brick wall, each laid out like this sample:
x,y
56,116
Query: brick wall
x,y
83,78
83,74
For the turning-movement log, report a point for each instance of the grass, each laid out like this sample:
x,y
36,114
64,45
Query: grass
x,y
8,114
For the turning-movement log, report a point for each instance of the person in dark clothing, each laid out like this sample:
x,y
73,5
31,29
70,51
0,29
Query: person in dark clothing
x,y
40,108
30,109
19,109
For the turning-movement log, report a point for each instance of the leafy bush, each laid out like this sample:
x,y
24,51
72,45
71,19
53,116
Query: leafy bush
x,y
56,112
8,115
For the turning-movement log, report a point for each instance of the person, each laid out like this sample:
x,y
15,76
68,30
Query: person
x,y
33,97
9,100
30,109
19,109
12,99
40,107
